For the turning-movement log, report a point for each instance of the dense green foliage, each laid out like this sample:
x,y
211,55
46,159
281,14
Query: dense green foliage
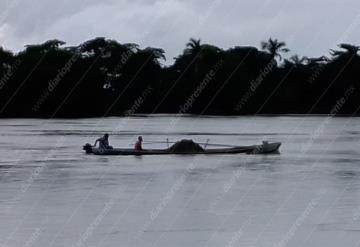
x,y
102,77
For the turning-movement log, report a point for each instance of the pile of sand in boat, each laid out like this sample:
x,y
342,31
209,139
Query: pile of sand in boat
x,y
185,146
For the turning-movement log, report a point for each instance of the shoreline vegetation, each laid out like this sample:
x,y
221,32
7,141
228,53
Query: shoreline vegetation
x,y
102,77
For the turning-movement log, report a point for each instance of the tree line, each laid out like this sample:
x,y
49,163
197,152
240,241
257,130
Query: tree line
x,y
102,77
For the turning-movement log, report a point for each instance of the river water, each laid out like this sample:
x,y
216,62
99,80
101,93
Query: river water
x,y
52,194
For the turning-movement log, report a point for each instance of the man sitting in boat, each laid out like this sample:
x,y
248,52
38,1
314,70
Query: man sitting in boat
x,y
138,144
103,142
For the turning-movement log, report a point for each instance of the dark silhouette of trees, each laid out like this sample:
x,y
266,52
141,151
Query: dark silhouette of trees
x,y
6,56
102,77
275,48
348,52
297,60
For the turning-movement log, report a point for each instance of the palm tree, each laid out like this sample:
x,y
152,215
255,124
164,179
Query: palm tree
x,y
274,47
156,54
349,51
193,46
297,60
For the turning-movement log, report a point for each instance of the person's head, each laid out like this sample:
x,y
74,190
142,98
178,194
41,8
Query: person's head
x,y
140,138
106,136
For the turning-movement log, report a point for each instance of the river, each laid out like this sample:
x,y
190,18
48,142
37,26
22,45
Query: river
x,y
53,194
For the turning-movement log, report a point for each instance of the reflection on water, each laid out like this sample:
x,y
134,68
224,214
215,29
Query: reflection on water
x,y
308,199
347,174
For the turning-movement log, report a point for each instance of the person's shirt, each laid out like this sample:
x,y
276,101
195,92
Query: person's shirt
x,y
138,146
103,143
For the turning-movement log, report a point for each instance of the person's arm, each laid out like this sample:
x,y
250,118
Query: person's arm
x,y
96,142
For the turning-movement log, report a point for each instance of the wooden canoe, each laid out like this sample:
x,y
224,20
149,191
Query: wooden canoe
x,y
265,148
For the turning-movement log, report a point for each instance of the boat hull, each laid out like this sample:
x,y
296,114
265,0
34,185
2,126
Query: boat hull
x,y
266,148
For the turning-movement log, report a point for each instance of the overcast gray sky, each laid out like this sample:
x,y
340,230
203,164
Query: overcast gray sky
x,y
310,27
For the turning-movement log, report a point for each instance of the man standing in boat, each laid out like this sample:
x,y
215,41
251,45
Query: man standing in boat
x,y
103,142
138,144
